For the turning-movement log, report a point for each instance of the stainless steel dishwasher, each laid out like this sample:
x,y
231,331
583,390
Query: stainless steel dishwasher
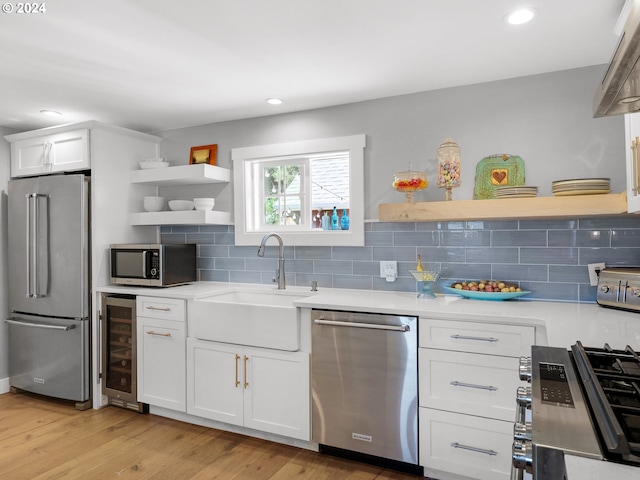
x,y
364,372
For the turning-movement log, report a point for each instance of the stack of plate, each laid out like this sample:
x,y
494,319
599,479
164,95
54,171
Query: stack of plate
x,y
515,192
581,186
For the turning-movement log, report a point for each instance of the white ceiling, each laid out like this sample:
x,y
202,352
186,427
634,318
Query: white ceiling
x,y
154,65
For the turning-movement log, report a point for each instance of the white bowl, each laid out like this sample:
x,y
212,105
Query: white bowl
x,y
152,164
204,203
180,205
153,204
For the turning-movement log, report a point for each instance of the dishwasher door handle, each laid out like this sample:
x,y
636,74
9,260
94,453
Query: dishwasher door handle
x,y
372,326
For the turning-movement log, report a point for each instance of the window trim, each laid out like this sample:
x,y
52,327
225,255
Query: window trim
x,y
242,182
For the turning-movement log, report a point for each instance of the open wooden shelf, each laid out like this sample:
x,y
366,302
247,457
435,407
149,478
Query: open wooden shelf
x,y
512,208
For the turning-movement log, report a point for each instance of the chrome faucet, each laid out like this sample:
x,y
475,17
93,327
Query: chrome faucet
x,y
280,278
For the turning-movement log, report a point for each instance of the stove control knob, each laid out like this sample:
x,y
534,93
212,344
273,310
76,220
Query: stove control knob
x,y
605,288
636,292
522,455
522,431
523,397
524,369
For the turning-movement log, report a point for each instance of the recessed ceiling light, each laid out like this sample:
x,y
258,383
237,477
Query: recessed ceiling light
x,y
50,113
274,101
518,17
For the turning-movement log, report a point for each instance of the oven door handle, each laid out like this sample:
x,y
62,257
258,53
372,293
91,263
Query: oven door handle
x,y
65,328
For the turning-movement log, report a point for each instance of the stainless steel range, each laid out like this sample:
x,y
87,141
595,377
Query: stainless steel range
x,y
583,402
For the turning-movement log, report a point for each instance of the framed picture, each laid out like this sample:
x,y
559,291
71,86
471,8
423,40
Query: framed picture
x,y
204,154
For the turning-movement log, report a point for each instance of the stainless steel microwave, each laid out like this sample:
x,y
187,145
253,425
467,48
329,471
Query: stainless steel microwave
x,y
153,265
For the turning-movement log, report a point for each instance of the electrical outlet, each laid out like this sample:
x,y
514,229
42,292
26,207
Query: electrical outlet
x,y
389,270
594,271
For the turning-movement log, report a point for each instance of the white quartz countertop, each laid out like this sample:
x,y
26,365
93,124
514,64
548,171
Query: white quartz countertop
x,y
558,324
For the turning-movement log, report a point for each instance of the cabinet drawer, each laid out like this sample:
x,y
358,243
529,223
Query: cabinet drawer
x,y
474,447
163,308
475,337
470,383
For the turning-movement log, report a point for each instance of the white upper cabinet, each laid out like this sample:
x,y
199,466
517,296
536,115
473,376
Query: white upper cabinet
x,y
61,152
632,142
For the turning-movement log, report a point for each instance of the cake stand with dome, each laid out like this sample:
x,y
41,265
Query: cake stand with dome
x,y
409,182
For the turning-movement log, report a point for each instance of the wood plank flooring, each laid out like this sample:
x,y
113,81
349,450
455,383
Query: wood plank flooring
x,y
47,439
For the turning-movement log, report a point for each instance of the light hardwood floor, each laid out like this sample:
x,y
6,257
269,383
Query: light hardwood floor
x,y
48,439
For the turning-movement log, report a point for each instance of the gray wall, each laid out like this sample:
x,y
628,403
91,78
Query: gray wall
x,y
545,119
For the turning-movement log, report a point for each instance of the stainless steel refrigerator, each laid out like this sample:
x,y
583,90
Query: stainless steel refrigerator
x,y
49,291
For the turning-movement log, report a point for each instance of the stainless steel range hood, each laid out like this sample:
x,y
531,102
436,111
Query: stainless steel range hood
x,y
619,91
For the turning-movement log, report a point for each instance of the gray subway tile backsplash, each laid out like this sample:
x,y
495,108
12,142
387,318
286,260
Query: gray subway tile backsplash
x,y
547,257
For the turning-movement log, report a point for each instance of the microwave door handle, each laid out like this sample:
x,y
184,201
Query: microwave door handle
x,y
145,254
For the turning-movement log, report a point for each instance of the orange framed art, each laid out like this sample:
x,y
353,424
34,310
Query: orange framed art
x,y
204,154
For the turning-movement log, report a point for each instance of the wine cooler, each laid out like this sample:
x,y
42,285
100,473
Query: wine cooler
x,y
119,366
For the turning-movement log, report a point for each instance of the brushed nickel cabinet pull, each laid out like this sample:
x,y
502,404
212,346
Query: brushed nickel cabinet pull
x,y
455,383
481,339
473,449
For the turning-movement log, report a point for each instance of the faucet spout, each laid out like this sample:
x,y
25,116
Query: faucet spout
x,y
280,276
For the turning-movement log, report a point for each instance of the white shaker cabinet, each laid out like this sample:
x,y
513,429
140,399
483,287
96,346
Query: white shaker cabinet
x,y
632,142
60,152
262,389
161,331
468,376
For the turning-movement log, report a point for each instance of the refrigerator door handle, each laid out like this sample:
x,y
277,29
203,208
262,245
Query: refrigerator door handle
x,y
66,328
37,267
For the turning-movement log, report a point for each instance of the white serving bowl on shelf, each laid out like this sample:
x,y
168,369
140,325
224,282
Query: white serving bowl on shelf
x,y
204,203
146,164
153,204
180,205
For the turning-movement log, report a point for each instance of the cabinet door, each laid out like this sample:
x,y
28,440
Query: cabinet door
x,y
62,152
215,381
162,363
482,385
632,142
473,447
277,392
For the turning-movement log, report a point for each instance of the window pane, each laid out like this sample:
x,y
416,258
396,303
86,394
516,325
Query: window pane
x,y
330,183
272,180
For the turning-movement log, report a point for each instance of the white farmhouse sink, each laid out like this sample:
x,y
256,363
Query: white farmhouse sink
x,y
259,318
